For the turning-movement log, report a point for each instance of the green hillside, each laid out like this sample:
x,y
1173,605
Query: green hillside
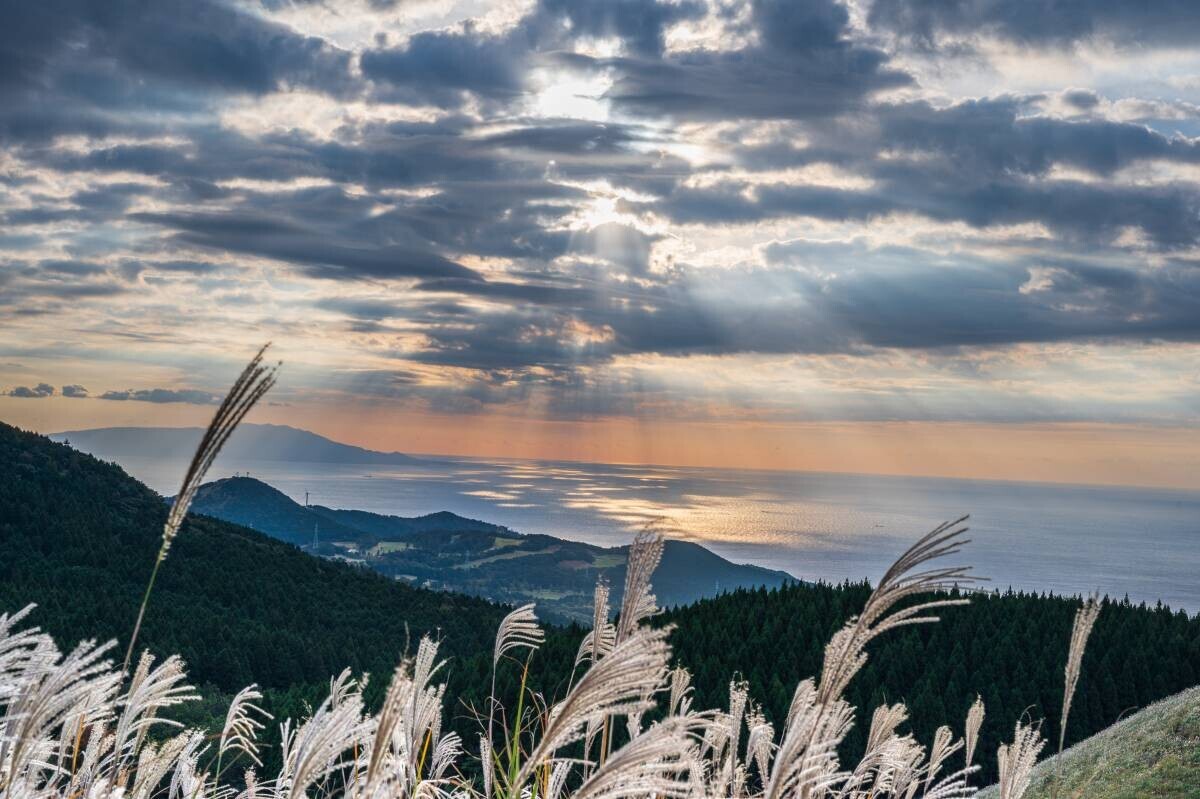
x,y
1154,753
1009,648
451,553
79,537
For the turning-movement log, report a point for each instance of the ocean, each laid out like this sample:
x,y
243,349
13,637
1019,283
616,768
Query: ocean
x,y
1072,539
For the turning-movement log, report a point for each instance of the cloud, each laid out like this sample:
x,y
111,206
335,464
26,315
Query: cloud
x,y
797,44
159,395
444,68
68,65
765,179
449,68
40,391
1042,22
279,239
76,391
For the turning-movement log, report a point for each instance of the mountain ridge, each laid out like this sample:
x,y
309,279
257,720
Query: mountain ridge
x,y
451,552
270,442
79,537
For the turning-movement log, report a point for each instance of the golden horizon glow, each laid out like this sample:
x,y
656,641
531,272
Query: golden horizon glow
x,y
1084,453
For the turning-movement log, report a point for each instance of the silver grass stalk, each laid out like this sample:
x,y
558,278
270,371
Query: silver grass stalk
x,y
254,381
816,720
52,691
150,690
155,762
1016,761
884,721
760,742
971,732
615,685
447,751
952,786
19,652
680,700
638,603
655,764
846,654
395,703
739,695
489,767
600,639
806,762
241,728
943,747
600,611
898,770
1085,620
317,747
185,781
519,629
342,687
558,779
593,646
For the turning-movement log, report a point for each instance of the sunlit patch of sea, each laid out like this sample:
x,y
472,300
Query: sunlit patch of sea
x,y
1065,538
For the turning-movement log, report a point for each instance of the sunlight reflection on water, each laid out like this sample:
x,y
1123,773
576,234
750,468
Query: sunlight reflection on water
x,y
1072,539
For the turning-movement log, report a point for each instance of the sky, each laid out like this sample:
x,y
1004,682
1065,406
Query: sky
x,y
901,236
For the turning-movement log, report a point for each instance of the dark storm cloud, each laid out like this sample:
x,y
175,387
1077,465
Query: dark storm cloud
x,y
70,66
1082,99
446,68
75,391
281,240
162,395
907,298
536,293
979,162
586,139
509,340
1042,22
1166,214
803,65
640,24
442,68
917,299
998,136
40,391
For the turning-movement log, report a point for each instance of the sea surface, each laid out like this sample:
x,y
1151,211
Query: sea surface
x,y
1144,543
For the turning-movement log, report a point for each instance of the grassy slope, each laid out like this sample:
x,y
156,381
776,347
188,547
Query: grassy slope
x,y
78,537
1154,753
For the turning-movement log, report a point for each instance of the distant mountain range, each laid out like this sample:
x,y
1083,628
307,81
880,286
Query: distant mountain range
x,y
449,552
264,442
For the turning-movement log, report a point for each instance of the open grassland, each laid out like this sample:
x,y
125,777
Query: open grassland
x,y
384,547
1154,753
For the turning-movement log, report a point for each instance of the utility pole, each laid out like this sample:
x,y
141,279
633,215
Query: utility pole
x,y
316,528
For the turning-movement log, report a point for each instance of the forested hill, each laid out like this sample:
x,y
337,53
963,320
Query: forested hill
x,y
79,538
452,553
1009,648
249,501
